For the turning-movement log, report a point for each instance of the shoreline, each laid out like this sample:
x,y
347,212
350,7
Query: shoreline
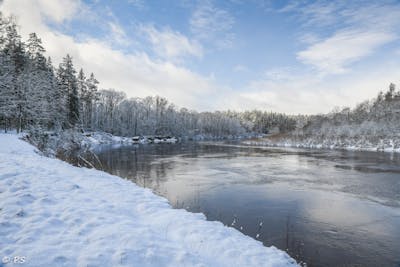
x,y
383,145
94,218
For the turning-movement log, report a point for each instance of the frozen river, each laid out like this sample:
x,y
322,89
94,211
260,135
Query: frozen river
x,y
326,208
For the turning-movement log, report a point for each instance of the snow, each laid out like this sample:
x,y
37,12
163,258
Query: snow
x,y
96,138
357,144
54,214
92,139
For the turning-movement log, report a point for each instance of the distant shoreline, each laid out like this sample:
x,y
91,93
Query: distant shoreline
x,y
360,143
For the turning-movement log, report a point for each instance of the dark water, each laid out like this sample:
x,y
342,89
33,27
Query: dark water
x,y
326,208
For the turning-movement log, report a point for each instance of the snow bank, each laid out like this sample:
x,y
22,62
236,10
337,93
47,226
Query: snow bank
x,y
54,214
95,138
360,143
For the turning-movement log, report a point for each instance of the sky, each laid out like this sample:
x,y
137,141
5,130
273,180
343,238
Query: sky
x,y
283,56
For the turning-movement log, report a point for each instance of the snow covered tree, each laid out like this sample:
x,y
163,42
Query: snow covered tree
x,y
8,98
87,88
67,82
82,89
90,98
390,94
14,52
37,84
56,98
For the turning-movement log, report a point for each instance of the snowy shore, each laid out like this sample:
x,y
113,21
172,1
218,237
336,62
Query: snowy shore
x,y
97,138
358,144
54,214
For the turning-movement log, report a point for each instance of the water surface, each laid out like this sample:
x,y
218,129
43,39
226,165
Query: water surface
x,y
324,207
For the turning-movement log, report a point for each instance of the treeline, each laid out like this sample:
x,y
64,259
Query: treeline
x,y
36,95
258,121
33,92
377,118
119,115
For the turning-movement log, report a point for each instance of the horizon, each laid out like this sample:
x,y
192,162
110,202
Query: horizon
x,y
302,57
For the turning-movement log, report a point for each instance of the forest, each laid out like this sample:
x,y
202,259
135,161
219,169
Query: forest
x,y
37,95
34,94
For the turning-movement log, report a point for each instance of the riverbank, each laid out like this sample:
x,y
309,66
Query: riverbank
x,y
54,214
98,138
359,143
62,143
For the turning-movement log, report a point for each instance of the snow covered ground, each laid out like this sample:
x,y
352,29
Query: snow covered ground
x,y
360,144
54,214
96,138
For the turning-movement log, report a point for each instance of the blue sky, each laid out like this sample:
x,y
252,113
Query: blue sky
x,y
233,29
285,56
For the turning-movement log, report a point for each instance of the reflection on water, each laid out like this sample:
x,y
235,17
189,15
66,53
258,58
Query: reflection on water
x,y
327,208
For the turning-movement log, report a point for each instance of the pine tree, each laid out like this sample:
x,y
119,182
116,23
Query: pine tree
x,y
4,23
15,53
68,86
38,85
82,91
89,99
391,93
8,98
34,47
56,98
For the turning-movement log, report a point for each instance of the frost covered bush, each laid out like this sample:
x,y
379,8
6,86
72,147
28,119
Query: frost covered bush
x,y
62,143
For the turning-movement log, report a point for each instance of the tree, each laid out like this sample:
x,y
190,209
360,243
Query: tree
x,y
38,84
56,98
391,93
88,95
69,87
8,98
14,51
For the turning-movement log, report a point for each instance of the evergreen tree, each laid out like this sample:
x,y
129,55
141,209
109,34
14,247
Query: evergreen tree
x,y
15,54
34,47
56,98
391,93
89,98
82,91
7,95
37,84
69,87
8,98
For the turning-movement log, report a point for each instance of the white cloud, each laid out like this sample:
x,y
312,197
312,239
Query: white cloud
x,y
318,13
134,73
351,31
58,10
309,38
280,74
333,54
118,34
212,24
171,45
137,74
282,90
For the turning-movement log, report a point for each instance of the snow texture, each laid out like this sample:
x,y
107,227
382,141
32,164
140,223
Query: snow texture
x,y
361,143
95,138
383,145
54,214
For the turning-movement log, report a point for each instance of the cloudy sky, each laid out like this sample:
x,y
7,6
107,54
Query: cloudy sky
x,y
284,56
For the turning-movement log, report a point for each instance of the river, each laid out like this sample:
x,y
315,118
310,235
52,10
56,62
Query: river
x,y
324,207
